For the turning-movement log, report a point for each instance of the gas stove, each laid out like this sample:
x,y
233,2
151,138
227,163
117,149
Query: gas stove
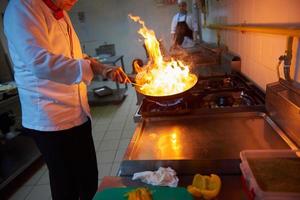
x,y
221,83
228,93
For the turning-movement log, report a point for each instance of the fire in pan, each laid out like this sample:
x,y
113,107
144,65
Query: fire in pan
x,y
161,79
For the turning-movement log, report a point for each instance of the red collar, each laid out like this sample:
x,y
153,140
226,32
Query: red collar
x,y
57,12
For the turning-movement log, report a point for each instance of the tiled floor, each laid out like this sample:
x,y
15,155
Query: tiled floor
x,y
113,128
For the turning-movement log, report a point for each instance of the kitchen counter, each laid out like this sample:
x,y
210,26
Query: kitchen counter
x,y
205,144
202,144
231,185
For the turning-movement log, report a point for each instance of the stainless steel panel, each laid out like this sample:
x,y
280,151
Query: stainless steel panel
x,y
283,106
191,143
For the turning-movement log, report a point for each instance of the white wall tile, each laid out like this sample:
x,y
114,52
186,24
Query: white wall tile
x,y
259,52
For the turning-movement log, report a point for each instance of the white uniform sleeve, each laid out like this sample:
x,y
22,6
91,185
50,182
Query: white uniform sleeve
x,y
174,24
27,32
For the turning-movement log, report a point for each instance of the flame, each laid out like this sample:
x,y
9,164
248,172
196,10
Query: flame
x,y
160,77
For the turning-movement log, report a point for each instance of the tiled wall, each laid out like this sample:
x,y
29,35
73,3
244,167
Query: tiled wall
x,y
259,52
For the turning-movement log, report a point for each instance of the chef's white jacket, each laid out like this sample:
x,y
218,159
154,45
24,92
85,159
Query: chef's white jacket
x,y
180,18
51,84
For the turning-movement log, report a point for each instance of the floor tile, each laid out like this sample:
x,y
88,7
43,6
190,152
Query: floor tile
x,y
116,134
130,122
99,181
39,192
35,178
97,144
115,168
44,180
104,120
123,143
119,155
109,112
116,125
127,133
104,170
101,127
21,193
106,156
97,111
98,135
121,116
109,145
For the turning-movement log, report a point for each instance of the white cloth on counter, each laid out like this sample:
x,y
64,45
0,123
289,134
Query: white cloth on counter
x,y
161,177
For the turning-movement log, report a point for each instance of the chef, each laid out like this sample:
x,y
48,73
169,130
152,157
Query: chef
x,y
52,75
183,28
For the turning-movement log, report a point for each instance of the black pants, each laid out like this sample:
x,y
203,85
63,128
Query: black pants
x,y
71,160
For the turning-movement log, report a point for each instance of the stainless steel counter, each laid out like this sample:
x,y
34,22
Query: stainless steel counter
x,y
206,144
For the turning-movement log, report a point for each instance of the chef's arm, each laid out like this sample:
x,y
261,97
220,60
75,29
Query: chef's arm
x,y
114,73
27,33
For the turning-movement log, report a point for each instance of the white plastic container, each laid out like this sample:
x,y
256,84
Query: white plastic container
x,y
255,190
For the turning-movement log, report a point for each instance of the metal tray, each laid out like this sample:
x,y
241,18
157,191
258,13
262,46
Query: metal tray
x,y
205,144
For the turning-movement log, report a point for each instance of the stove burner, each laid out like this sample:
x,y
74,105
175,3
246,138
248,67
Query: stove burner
x,y
169,103
224,101
220,83
227,99
210,93
153,107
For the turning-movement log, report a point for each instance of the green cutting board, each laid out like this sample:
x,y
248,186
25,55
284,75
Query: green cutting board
x,y
158,193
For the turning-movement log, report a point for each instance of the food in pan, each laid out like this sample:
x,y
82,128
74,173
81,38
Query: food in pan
x,y
160,76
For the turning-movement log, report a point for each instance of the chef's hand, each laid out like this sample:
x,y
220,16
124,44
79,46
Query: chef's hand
x,y
107,71
116,74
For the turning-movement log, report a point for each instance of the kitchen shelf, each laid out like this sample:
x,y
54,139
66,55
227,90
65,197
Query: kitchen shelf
x,y
16,153
116,98
16,156
119,94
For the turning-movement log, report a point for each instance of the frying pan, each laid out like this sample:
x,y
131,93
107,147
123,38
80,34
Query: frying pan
x,y
136,64
165,97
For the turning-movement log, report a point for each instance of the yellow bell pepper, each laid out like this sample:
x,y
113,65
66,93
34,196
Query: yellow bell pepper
x,y
206,186
194,191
